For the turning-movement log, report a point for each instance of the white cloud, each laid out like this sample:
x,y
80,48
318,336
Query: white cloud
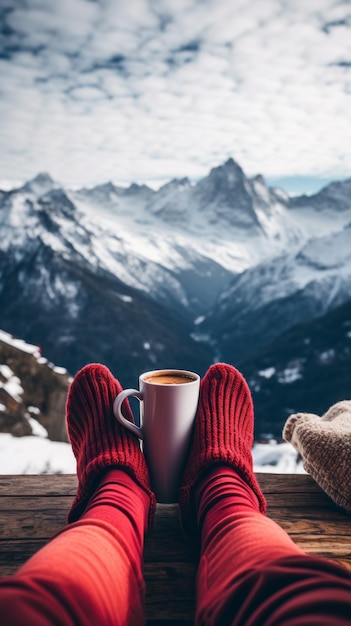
x,y
148,91
63,25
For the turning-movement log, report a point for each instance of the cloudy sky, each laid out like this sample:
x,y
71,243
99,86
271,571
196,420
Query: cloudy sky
x,y
149,90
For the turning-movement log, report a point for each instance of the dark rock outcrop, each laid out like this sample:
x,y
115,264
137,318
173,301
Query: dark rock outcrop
x,y
31,387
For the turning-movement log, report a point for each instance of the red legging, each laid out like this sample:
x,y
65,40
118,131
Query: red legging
x,y
252,574
250,571
90,573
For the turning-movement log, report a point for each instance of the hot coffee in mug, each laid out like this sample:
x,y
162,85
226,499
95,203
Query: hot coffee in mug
x,y
169,379
168,404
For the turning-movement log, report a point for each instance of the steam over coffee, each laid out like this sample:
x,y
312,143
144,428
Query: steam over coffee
x,y
169,379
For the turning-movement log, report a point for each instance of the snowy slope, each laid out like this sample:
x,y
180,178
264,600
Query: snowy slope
x,y
266,300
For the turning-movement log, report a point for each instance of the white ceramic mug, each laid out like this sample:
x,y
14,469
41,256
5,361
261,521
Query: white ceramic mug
x,y
168,404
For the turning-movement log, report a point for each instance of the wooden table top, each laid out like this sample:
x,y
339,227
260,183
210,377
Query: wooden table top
x,y
34,507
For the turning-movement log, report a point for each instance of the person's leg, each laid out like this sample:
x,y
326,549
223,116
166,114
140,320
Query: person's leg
x,y
250,572
91,573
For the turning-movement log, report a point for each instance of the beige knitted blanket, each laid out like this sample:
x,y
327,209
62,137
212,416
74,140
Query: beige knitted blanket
x,y
325,447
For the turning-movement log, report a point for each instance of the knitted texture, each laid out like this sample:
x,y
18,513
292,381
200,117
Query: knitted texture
x,y
223,434
324,444
98,441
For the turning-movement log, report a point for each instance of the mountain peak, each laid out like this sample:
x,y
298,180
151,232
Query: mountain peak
x,y
259,179
175,184
138,190
43,178
229,170
226,192
232,164
39,185
335,196
108,187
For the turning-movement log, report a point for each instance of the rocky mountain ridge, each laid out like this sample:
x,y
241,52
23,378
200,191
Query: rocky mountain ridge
x,y
33,391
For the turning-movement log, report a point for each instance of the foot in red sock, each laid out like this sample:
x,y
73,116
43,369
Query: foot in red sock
x,y
223,435
98,441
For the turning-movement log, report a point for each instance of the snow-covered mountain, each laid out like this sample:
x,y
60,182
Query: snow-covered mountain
x,y
269,298
137,278
307,368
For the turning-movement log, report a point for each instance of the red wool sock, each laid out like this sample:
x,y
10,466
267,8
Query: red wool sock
x,y
223,434
98,441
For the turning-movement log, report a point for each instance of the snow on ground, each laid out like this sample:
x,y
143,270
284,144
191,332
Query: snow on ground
x,y
276,458
35,455
38,455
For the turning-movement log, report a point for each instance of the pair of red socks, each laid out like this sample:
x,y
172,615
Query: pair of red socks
x,y
223,435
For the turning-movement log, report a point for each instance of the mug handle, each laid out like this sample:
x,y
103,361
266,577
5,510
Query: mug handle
x,y
117,410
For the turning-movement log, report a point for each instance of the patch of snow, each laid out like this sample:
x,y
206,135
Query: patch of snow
x,y
13,387
35,455
268,372
2,407
199,320
348,334
146,345
126,298
66,288
289,375
254,385
331,251
5,337
276,458
281,193
5,371
59,370
327,356
19,344
37,429
34,410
